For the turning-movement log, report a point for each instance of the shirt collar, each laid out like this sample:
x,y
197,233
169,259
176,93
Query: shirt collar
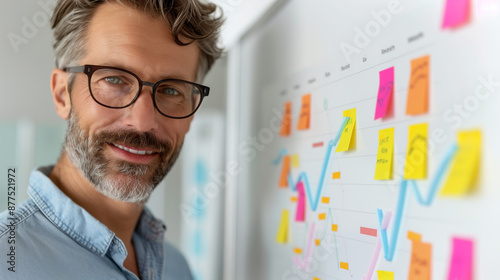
x,y
150,227
76,222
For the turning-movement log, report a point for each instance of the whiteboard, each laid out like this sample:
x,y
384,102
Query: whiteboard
x,y
296,51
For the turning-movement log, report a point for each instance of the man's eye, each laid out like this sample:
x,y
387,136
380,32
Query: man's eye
x,y
169,91
113,80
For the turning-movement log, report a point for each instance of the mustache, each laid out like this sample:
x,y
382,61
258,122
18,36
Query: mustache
x,y
135,139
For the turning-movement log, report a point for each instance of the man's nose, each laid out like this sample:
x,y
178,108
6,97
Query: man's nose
x,y
142,114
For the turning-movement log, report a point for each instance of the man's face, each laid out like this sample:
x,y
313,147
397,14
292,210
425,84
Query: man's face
x,y
108,145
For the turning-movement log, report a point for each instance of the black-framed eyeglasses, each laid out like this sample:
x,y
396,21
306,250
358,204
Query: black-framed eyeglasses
x,y
117,88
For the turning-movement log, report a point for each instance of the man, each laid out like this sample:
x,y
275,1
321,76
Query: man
x,y
127,81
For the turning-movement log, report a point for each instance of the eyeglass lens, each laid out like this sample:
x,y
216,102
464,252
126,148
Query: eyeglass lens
x,y
116,88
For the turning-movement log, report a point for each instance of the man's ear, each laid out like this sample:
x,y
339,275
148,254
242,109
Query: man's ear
x,y
60,94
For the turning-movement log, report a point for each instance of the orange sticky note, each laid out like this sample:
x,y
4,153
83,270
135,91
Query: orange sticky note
x,y
318,242
335,228
325,200
305,112
297,250
282,235
416,155
336,175
285,170
420,263
322,216
344,265
316,278
286,122
418,89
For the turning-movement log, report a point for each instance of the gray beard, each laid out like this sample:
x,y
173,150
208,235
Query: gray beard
x,y
136,182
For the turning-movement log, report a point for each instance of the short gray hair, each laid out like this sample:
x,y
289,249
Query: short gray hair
x,y
190,19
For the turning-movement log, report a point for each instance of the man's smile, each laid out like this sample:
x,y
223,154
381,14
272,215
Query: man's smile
x,y
133,155
134,151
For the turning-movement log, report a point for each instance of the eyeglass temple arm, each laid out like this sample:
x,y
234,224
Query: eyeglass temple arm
x,y
74,69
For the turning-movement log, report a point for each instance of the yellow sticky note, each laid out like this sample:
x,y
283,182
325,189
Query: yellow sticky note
x,y
385,275
322,216
282,235
335,228
383,167
325,200
336,175
285,170
286,123
465,168
413,236
317,241
294,199
420,263
295,161
348,138
297,250
316,278
305,112
416,155
344,265
418,90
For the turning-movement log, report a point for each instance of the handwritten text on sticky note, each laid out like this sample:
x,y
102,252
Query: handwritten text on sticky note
x,y
285,170
420,263
416,156
383,167
418,89
385,92
286,122
348,138
305,112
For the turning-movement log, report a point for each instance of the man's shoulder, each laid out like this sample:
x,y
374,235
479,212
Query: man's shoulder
x,y
16,216
176,266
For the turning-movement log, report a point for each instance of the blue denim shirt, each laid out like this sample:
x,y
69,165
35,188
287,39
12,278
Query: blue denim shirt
x,y
57,239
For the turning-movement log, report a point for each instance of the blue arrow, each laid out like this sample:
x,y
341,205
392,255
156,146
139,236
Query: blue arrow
x,y
389,250
303,176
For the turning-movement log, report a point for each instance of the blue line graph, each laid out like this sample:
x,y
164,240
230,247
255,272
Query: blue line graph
x,y
303,176
389,250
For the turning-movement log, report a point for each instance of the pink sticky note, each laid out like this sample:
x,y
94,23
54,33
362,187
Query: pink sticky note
x,y
461,260
385,90
300,215
456,13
